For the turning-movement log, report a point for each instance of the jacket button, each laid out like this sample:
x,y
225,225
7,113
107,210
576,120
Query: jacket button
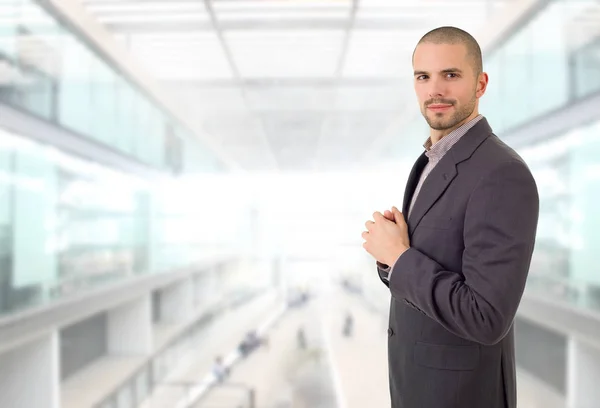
x,y
390,332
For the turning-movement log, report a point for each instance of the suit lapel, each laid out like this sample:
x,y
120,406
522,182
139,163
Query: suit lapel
x,y
434,186
442,175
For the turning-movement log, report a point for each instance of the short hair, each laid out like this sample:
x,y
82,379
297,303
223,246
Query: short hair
x,y
453,35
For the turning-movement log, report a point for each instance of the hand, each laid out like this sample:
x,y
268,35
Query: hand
x,y
389,215
386,237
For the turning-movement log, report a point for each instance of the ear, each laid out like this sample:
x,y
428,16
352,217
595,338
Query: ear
x,y
482,83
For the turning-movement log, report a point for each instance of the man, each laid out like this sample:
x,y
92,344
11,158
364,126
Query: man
x,y
457,257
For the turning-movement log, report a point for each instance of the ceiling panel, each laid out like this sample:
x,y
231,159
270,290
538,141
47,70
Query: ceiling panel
x,y
100,7
155,18
286,14
380,53
281,54
432,5
289,109
290,98
199,99
181,56
426,15
278,5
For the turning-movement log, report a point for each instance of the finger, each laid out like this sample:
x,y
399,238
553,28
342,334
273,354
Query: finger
x,y
377,215
399,217
365,235
388,214
369,225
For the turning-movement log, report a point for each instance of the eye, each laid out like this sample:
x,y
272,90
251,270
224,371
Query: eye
x,y
421,77
452,75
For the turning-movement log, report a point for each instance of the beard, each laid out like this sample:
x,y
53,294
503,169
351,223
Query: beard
x,y
437,121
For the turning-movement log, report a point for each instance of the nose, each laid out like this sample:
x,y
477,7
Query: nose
x,y
435,89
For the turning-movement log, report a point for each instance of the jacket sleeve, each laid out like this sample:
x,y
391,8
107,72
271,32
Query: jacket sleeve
x,y
479,303
384,271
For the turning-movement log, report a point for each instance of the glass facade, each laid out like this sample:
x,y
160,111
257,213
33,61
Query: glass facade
x,y
567,170
550,61
48,70
586,64
68,225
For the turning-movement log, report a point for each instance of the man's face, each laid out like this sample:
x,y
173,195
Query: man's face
x,y
445,83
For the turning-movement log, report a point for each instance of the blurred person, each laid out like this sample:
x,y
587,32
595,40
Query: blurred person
x,y
348,325
249,343
457,257
301,338
220,371
252,342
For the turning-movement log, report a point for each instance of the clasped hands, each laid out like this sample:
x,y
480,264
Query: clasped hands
x,y
386,237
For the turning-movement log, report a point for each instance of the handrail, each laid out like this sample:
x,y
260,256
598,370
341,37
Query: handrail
x,y
189,385
232,358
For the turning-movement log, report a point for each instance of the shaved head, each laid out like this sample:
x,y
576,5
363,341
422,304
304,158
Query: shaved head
x,y
453,35
448,79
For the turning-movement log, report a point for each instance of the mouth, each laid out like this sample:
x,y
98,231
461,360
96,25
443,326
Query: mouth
x,y
439,107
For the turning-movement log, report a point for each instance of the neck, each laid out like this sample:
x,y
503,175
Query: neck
x,y
437,135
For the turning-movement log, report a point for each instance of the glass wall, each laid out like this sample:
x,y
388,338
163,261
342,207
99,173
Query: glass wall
x,y
47,70
567,170
549,62
586,64
68,225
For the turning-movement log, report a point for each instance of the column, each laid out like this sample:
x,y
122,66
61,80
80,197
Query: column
x,y
130,328
583,374
177,302
29,375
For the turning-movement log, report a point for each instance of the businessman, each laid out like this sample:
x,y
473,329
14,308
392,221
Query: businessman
x,y
457,257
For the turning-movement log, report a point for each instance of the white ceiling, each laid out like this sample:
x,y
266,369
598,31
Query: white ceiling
x,y
288,85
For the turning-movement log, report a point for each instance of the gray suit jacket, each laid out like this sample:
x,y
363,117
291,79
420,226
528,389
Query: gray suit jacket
x,y
456,291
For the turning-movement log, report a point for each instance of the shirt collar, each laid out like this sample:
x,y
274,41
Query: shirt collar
x,y
437,150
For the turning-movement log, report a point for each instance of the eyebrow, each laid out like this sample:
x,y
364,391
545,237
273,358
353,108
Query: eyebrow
x,y
444,71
